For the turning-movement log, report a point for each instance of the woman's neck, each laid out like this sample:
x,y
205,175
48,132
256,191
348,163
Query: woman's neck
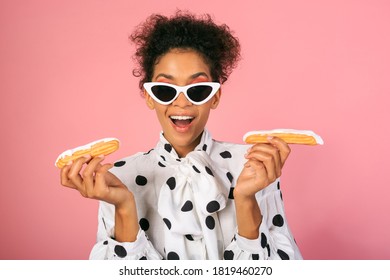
x,y
183,151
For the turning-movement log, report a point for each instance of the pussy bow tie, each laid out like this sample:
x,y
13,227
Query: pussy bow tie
x,y
196,190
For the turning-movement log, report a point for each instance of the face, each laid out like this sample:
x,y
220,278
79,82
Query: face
x,y
182,122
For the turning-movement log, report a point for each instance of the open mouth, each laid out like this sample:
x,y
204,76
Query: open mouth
x,y
182,121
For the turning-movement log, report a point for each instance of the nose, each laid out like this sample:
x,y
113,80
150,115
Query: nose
x,y
181,101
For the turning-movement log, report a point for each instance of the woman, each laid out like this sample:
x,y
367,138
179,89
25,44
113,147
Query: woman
x,y
190,197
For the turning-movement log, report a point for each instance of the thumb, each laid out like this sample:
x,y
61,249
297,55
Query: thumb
x,y
102,172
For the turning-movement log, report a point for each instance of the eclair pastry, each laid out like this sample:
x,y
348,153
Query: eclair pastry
x,y
103,146
290,136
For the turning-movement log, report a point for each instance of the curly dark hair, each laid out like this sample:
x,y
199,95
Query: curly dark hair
x,y
160,34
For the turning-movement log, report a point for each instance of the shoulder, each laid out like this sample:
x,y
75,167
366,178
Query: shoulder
x,y
131,161
230,156
135,168
227,150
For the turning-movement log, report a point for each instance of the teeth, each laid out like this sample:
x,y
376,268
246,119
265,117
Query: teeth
x,y
182,117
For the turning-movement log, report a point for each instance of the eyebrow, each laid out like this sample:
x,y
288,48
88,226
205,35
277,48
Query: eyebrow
x,y
196,75
170,77
193,76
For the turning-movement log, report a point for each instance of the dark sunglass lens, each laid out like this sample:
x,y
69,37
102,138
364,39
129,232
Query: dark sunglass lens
x,y
164,93
199,93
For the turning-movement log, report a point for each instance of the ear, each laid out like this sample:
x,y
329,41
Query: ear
x,y
149,100
215,100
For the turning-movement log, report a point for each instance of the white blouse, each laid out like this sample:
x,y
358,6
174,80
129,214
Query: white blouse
x,y
186,208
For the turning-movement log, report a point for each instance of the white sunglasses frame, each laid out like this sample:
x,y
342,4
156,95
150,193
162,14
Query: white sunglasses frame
x,y
215,87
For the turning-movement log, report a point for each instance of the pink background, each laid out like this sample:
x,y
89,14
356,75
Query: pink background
x,y
65,80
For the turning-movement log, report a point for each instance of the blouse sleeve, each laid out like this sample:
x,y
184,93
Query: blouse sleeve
x,y
275,239
107,248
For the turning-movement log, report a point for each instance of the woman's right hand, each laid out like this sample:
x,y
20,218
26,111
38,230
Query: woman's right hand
x,y
93,180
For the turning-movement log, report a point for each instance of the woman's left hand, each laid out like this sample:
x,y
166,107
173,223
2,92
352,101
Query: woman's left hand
x,y
264,166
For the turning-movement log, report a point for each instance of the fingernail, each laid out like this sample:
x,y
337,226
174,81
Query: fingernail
x,y
269,138
70,162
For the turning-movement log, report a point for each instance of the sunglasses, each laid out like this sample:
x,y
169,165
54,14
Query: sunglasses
x,y
198,93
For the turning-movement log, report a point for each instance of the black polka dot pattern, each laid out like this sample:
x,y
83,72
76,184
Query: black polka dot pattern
x,y
168,147
208,219
213,206
143,258
278,220
188,206
208,170
226,154
263,240
210,222
173,256
196,169
145,154
167,223
228,255
230,177
231,193
171,182
264,243
120,251
283,255
144,224
269,250
120,163
141,180
105,242
189,237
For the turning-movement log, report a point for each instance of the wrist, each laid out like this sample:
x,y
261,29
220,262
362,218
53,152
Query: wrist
x,y
126,221
126,206
240,195
248,215
245,203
